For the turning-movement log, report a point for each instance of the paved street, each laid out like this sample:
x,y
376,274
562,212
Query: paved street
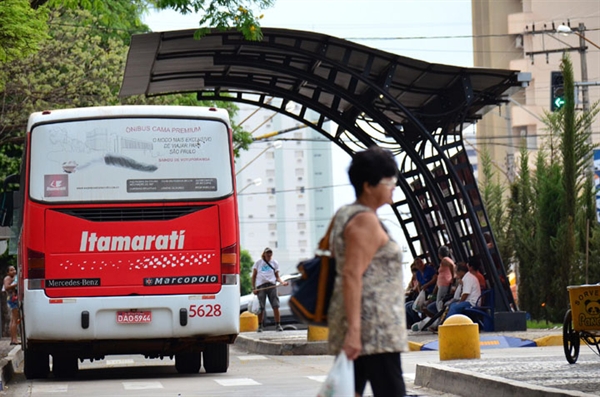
x,y
249,374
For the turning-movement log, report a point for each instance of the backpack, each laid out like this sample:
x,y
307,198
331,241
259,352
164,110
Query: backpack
x,y
312,292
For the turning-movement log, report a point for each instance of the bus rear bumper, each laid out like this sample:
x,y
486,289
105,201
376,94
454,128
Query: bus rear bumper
x,y
172,323
150,348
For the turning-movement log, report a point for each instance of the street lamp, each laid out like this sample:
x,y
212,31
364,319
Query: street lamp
x,y
254,182
566,30
273,145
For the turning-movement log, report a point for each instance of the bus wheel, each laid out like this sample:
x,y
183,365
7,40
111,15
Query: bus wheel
x,y
37,364
64,366
188,363
216,358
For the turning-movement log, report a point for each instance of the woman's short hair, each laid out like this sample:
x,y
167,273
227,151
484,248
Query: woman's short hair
x,y
443,251
371,165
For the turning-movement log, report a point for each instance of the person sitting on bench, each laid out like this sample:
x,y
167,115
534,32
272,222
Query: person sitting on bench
x,y
467,293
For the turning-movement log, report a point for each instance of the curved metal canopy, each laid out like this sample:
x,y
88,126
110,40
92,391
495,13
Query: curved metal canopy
x,y
414,108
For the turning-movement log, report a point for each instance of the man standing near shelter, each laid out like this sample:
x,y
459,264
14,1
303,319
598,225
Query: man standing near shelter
x,y
265,275
467,293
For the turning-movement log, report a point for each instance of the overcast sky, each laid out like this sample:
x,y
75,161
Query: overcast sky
x,y
422,29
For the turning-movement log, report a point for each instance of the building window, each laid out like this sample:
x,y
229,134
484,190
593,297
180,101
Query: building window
x,y
270,155
301,207
301,225
299,154
270,173
272,226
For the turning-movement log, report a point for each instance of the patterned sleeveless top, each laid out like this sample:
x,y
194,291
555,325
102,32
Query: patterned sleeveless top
x,y
383,320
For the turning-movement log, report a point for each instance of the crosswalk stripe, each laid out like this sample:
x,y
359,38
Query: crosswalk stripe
x,y
237,382
51,388
318,378
142,385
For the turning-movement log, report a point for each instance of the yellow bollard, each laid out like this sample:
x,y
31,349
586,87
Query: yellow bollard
x,y
458,338
317,333
248,322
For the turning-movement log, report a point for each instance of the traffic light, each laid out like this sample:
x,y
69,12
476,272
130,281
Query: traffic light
x,y
557,91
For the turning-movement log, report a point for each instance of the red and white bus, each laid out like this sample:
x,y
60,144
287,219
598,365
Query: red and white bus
x,y
128,237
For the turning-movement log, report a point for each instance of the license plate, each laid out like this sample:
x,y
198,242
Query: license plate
x,y
134,317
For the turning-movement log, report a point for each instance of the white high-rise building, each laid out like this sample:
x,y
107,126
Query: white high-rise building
x,y
285,187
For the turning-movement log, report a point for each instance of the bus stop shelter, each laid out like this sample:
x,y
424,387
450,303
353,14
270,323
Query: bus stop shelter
x,y
416,109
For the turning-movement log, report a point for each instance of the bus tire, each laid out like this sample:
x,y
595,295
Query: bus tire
x,y
64,366
216,358
36,364
188,363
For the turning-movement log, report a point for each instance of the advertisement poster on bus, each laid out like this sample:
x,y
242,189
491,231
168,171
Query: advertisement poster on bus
x,y
130,159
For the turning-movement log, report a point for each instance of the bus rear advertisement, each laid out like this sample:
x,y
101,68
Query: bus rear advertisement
x,y
128,237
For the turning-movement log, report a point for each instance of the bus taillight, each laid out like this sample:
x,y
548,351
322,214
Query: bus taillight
x,y
229,266
36,268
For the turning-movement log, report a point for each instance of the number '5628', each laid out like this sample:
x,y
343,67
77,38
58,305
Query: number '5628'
x,y
205,310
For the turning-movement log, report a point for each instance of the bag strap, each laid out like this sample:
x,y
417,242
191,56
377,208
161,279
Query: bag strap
x,y
272,268
324,243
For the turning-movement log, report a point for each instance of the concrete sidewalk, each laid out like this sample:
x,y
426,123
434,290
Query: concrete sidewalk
x,y
497,374
295,342
11,357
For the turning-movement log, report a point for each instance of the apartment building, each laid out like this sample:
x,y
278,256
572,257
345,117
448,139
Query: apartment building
x,y
523,35
285,188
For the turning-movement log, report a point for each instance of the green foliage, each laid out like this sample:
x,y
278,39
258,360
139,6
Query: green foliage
x,y
550,211
116,19
22,30
536,324
521,210
246,263
74,68
222,14
492,194
78,66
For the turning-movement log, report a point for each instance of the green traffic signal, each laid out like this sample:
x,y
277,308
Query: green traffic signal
x,y
557,91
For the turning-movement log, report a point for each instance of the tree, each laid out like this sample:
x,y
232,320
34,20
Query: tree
x,y
551,210
246,263
222,14
80,64
492,195
22,30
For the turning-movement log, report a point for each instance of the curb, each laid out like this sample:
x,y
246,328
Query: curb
x,y
414,346
282,348
550,340
450,380
9,364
